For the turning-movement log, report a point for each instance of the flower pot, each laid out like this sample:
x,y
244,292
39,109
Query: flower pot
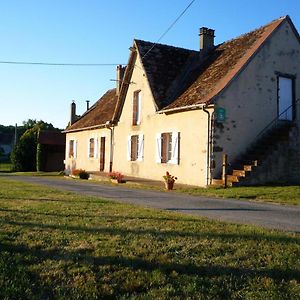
x,y
169,185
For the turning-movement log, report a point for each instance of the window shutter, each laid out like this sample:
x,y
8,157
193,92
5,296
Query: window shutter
x,y
75,149
134,108
88,147
140,154
96,145
175,148
158,148
139,107
129,148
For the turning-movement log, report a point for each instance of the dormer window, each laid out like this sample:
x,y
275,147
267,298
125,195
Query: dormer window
x,y
136,108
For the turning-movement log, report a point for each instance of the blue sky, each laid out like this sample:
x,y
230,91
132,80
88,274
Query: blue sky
x,y
94,31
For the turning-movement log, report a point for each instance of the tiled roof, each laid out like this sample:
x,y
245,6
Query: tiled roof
x,y
180,77
51,138
162,64
101,112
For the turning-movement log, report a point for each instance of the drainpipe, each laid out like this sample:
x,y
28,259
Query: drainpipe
x,y
208,175
111,127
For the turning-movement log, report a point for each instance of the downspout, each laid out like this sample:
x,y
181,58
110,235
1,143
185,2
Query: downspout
x,y
111,127
208,175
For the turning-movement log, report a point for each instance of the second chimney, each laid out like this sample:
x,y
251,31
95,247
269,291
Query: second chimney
x,y
73,113
206,39
120,75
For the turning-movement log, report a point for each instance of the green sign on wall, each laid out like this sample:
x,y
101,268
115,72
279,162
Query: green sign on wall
x,y
220,114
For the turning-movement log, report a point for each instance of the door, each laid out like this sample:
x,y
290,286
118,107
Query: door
x,y
102,153
285,98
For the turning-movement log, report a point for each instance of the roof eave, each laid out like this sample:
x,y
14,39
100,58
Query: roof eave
x,y
99,126
185,108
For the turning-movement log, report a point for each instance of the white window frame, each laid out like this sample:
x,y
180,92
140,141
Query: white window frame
x,y
74,148
96,145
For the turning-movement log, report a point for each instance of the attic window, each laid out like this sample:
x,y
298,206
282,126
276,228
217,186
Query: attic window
x,y
136,108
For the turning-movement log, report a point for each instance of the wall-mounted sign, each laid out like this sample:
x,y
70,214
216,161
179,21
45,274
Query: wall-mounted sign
x,y
220,114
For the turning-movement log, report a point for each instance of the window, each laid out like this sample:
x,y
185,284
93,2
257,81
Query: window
x,y
168,148
92,148
72,149
136,108
136,147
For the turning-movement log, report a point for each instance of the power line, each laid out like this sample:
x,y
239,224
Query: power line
x,y
100,64
169,28
56,64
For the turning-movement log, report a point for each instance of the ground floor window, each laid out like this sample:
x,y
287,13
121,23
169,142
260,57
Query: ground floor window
x,y
72,149
91,148
135,146
167,147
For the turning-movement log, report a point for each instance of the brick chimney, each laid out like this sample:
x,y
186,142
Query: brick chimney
x,y
206,39
120,76
73,113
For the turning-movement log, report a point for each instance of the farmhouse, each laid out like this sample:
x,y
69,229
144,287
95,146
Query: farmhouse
x,y
181,110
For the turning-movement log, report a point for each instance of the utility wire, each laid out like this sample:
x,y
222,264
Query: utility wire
x,y
55,64
169,28
99,64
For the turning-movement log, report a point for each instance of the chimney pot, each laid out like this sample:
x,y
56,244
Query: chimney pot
x,y
87,104
206,39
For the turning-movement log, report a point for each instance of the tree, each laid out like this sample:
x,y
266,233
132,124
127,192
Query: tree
x,y
24,154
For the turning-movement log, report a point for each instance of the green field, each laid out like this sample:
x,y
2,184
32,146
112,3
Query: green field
x,y
59,245
287,195
5,167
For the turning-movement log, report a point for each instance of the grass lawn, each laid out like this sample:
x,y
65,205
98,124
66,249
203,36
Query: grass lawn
x,y
277,194
61,245
5,167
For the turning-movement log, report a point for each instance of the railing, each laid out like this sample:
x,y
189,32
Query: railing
x,y
277,122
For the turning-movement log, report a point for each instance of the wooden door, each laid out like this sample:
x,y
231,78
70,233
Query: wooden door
x,y
102,153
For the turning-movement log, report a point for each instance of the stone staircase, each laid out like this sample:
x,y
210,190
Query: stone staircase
x,y
263,162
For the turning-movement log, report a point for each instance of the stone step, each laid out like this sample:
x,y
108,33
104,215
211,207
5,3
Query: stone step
x,y
232,178
217,182
241,173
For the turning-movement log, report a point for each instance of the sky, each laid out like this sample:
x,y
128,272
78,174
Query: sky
x,y
101,32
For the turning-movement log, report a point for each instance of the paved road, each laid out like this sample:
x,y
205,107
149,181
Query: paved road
x,y
267,215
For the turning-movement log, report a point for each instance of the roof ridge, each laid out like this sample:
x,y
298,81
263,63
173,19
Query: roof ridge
x,y
255,29
165,45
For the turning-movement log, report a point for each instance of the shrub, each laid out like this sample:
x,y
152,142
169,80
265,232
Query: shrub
x,y
82,174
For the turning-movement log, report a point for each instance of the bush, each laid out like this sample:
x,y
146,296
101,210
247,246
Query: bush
x,y
82,174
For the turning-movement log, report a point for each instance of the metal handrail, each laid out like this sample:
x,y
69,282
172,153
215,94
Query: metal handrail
x,y
274,121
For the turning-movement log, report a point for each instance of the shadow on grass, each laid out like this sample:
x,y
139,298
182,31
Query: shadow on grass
x,y
96,216
156,233
83,256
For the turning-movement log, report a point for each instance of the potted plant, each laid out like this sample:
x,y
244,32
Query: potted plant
x,y
80,173
169,181
116,177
